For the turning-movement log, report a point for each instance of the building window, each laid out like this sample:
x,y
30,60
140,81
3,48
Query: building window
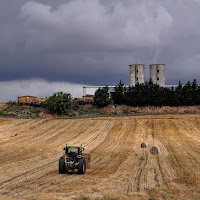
x,y
137,79
137,71
157,78
158,70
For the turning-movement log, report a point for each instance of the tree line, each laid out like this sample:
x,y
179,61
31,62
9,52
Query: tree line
x,y
145,94
150,94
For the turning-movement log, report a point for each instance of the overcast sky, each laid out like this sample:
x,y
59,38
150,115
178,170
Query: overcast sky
x,y
61,45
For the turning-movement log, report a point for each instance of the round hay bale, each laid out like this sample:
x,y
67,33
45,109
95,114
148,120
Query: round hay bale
x,y
154,150
143,145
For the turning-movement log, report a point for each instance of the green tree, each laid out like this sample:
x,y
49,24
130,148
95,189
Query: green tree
x,y
177,96
58,103
118,95
165,96
129,96
187,94
197,99
153,93
101,97
195,96
140,91
171,96
147,94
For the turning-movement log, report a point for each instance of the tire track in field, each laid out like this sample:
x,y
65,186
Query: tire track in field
x,y
133,183
140,171
150,176
182,174
35,170
107,150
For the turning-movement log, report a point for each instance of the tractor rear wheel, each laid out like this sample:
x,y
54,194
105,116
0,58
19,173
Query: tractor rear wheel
x,y
62,168
82,166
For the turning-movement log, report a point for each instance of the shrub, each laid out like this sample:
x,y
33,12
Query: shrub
x,y
58,103
101,97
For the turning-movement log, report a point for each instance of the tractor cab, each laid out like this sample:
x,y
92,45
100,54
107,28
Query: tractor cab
x,y
73,151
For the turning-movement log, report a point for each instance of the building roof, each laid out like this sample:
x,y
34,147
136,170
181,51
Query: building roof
x,y
27,96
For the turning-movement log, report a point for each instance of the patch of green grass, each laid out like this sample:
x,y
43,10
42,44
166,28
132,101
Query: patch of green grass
x,y
2,113
170,195
141,159
35,111
197,196
90,111
84,198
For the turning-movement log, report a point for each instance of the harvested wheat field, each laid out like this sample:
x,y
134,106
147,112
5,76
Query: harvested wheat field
x,y
120,168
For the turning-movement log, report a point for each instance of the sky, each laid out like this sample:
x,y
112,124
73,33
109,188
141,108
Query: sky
x,y
48,46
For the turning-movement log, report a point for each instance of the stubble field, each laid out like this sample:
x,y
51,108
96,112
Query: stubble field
x,y
120,168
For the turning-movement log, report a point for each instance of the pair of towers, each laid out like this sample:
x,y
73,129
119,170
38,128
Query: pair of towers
x,y
157,73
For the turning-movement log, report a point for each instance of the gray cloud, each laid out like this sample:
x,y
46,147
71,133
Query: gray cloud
x,y
94,41
39,88
88,24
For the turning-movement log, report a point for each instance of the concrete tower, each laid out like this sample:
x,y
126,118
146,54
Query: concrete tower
x,y
136,74
157,74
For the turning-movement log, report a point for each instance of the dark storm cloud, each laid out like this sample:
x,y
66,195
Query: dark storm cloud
x,y
78,41
94,41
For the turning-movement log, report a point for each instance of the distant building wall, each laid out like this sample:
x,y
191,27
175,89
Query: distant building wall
x,y
136,73
88,98
157,73
41,99
27,99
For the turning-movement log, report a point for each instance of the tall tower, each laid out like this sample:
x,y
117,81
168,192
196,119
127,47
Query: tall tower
x,y
136,74
157,74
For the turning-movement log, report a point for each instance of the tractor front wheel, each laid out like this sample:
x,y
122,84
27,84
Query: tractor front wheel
x,y
82,166
62,168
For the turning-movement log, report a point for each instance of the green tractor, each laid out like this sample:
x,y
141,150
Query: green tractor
x,y
72,159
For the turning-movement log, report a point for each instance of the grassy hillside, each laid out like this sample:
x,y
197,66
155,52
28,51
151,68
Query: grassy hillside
x,y
2,105
94,111
120,168
23,111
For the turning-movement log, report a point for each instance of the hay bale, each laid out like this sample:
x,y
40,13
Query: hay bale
x,y
143,145
154,150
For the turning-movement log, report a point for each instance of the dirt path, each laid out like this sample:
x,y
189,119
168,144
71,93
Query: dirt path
x,y
120,168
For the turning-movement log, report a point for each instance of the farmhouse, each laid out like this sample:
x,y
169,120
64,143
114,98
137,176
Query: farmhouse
x,y
27,99
30,99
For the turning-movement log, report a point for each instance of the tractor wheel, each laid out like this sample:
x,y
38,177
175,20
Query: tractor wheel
x,y
82,166
62,168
